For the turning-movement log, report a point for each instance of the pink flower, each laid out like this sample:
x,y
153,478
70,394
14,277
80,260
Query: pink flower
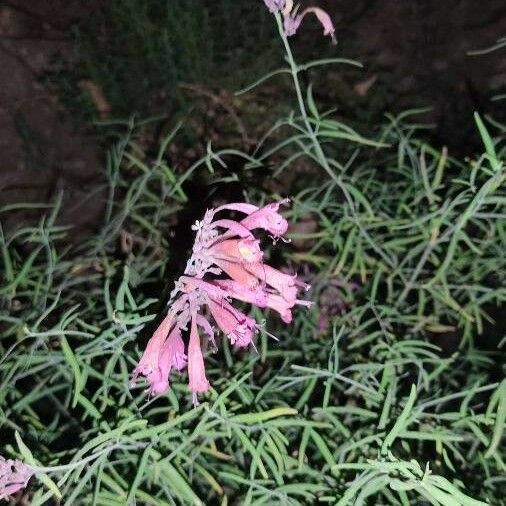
x,y
196,369
14,476
274,5
172,355
291,24
266,217
238,273
238,327
149,364
292,20
226,263
254,295
280,305
325,21
283,283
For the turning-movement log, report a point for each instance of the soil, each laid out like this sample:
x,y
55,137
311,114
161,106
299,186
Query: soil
x,y
42,153
415,53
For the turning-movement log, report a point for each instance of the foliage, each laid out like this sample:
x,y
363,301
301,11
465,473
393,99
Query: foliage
x,y
139,53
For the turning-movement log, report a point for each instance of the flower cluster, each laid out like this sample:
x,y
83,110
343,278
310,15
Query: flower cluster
x,y
14,476
226,263
292,18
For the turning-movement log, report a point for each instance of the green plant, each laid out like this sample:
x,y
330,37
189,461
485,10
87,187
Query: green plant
x,y
390,392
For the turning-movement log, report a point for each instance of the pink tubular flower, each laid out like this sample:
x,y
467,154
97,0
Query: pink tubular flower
x,y
274,5
266,217
325,21
238,327
292,20
291,24
226,263
148,365
14,476
196,369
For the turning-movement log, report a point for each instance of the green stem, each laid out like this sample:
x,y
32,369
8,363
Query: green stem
x,y
318,151
294,70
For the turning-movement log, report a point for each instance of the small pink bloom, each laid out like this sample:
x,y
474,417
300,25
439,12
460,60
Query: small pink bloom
x,y
324,19
291,24
148,365
235,325
268,218
196,369
274,5
14,476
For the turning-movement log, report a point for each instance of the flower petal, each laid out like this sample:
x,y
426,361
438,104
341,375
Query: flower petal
x,y
238,327
148,365
196,369
268,218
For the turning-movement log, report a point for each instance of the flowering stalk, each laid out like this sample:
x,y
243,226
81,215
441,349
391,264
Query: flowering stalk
x,y
226,264
288,22
294,70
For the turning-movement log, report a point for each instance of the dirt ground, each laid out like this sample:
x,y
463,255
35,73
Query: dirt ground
x,y
415,53
41,152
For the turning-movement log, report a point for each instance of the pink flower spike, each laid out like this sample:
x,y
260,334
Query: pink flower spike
x,y
226,263
14,476
196,369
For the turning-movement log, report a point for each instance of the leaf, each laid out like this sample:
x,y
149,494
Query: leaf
x,y
29,459
311,103
401,423
143,462
252,418
500,420
72,361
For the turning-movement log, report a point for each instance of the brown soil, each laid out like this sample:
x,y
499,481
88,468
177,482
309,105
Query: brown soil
x,y
41,152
